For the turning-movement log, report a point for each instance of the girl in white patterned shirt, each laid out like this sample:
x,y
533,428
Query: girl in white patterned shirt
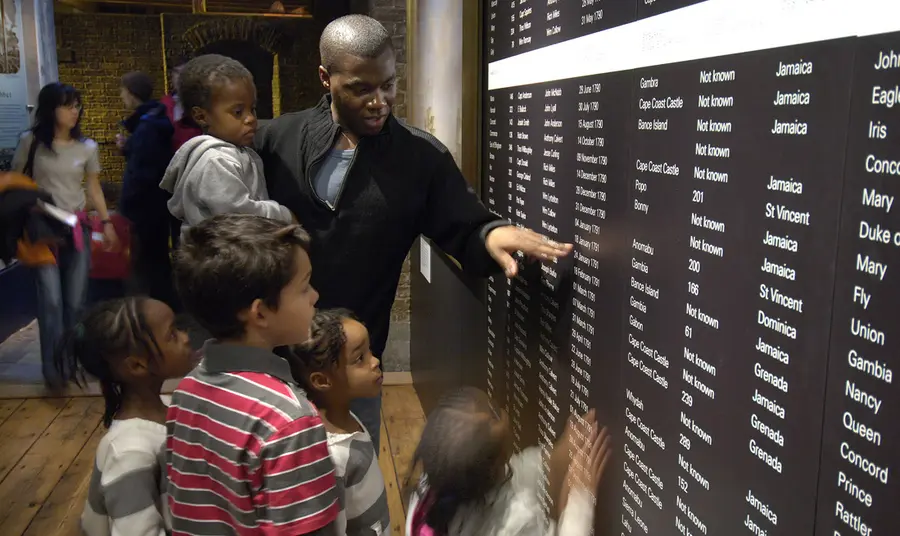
x,y
335,366
131,347
473,485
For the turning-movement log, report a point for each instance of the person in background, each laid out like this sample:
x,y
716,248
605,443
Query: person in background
x,y
472,484
335,367
61,161
246,450
184,127
131,347
366,185
147,153
218,172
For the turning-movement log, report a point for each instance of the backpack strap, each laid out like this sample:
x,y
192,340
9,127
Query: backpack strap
x,y
29,163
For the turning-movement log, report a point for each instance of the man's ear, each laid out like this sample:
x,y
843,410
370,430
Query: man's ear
x,y
324,77
320,381
199,116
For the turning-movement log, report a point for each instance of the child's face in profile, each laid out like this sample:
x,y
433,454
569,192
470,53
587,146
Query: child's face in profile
x,y
174,346
232,113
359,366
290,323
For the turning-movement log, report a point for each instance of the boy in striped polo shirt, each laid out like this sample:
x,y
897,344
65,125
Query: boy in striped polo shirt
x,y
246,451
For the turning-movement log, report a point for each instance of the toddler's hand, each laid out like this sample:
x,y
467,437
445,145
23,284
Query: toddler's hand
x,y
561,456
594,457
588,463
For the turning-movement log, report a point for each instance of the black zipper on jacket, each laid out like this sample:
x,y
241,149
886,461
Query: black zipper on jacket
x,y
330,147
309,177
337,198
316,160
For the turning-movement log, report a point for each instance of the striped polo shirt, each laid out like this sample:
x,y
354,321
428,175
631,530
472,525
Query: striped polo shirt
x,y
246,451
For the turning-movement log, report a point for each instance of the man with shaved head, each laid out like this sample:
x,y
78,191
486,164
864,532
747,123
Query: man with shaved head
x,y
365,185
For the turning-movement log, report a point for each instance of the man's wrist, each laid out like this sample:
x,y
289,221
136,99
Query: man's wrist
x,y
487,228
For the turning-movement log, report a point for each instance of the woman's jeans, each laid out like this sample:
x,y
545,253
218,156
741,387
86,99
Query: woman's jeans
x,y
61,293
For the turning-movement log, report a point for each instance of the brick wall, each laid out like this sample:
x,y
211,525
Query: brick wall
x,y
106,47
296,41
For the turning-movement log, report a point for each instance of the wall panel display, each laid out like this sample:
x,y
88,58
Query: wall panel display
x,y
726,170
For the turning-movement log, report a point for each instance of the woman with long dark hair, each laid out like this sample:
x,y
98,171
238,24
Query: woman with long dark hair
x,y
63,163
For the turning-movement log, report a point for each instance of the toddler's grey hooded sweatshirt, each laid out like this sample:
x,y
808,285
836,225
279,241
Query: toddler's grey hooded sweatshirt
x,y
208,176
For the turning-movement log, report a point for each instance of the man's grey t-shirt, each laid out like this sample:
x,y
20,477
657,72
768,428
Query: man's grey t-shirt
x,y
60,172
332,174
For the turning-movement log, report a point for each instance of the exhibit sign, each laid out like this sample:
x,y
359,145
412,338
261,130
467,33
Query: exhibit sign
x,y
13,80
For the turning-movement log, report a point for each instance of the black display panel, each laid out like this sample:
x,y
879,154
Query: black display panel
x,y
729,291
516,26
649,8
728,307
859,492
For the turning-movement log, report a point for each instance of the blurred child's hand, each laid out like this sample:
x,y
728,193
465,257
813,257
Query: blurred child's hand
x,y
588,463
595,458
573,438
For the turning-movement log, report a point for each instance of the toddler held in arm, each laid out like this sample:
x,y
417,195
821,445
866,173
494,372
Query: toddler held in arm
x,y
218,172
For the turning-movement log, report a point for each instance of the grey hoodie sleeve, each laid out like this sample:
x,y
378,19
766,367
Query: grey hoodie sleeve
x,y
220,186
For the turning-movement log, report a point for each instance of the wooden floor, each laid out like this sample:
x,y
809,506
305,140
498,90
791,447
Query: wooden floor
x,y
47,453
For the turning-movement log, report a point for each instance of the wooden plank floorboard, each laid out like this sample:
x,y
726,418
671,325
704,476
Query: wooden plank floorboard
x,y
23,427
8,407
47,449
60,514
401,401
32,480
393,487
404,435
404,421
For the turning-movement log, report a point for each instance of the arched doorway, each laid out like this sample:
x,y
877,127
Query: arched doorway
x,y
257,60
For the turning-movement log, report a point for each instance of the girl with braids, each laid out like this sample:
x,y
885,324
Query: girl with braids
x,y
336,366
472,485
131,346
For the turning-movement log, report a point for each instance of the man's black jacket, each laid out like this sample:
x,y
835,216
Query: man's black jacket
x,y
401,183
147,154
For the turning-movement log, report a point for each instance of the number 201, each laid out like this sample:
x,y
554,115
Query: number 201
x,y
698,196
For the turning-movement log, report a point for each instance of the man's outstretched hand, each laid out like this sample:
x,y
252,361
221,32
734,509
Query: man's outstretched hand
x,y
503,242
